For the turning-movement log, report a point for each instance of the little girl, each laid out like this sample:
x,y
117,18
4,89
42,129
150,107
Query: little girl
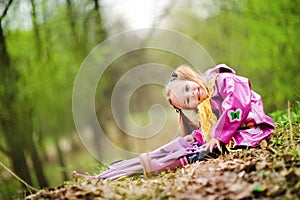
x,y
229,111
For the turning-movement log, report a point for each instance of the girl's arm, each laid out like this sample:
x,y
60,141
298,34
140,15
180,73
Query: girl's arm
x,y
236,104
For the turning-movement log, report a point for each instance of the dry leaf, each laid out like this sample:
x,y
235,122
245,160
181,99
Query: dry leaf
x,y
263,144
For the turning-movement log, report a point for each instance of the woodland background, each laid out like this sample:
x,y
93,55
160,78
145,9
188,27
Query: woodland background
x,y
40,56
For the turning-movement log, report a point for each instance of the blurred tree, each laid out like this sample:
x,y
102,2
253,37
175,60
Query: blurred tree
x,y
37,72
8,103
29,110
37,36
72,20
94,30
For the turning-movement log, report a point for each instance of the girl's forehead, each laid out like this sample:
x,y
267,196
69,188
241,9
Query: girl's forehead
x,y
177,84
175,99
176,92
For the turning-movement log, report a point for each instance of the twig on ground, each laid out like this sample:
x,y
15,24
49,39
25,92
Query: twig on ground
x,y
290,123
272,149
18,178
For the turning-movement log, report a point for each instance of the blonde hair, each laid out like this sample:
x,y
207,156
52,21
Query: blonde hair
x,y
184,72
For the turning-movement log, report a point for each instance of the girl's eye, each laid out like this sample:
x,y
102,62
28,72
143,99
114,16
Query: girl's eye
x,y
186,88
188,101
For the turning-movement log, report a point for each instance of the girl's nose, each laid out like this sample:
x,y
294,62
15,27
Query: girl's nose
x,y
194,92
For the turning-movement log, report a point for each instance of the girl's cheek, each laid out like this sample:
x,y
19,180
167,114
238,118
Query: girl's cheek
x,y
194,103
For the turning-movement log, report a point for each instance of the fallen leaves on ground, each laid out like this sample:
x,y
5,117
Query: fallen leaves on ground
x,y
269,172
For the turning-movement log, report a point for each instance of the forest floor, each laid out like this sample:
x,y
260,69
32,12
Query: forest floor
x,y
271,171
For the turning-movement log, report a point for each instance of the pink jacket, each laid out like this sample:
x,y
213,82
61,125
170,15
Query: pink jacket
x,y
240,113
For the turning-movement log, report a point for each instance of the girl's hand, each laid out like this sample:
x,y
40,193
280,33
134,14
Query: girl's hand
x,y
189,138
211,144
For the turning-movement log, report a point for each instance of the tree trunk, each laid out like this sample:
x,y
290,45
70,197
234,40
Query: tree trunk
x,y
37,164
78,43
13,139
4,58
36,30
38,167
71,18
61,159
16,150
100,30
93,24
32,148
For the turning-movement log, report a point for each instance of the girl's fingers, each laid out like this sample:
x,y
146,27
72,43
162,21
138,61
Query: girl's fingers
x,y
219,146
211,144
212,147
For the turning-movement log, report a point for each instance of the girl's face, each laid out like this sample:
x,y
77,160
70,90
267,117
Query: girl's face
x,y
186,94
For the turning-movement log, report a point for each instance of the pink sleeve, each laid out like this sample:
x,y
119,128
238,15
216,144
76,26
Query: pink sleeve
x,y
235,107
197,134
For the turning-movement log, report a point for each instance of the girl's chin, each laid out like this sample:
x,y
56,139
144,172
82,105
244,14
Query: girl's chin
x,y
203,98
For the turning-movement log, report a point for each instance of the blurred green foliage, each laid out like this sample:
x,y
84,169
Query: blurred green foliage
x,y
259,39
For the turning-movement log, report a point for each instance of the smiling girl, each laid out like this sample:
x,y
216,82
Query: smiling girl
x,y
229,111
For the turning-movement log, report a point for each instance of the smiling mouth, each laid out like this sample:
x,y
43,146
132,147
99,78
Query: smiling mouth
x,y
201,93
